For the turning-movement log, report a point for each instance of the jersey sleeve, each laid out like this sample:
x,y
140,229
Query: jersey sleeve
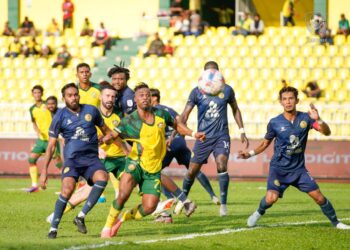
x,y
31,114
192,99
124,129
55,126
270,134
98,121
231,96
173,113
169,120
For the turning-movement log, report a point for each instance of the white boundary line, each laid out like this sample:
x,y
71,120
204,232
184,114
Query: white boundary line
x,y
196,235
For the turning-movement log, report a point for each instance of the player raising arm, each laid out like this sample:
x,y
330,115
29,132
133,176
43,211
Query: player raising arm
x,y
287,167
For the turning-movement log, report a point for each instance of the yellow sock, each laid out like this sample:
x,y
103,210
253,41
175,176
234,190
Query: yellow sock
x,y
69,207
115,183
33,172
139,213
112,216
130,214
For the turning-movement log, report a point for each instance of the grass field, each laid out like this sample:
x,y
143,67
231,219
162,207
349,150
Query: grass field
x,y
296,222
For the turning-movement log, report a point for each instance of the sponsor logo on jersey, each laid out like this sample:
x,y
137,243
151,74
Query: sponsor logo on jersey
x,y
115,123
66,170
276,183
69,121
129,103
221,95
88,117
131,167
283,129
303,124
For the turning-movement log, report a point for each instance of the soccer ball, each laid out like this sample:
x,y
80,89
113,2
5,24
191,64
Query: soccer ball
x,y
211,82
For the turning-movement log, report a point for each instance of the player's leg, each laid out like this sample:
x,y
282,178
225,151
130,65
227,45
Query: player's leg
x,y
67,189
168,158
33,172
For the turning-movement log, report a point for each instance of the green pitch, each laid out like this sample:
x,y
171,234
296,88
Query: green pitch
x,y
295,222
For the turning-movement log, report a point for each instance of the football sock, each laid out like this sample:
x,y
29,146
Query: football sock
x,y
224,180
59,208
186,185
95,193
329,211
33,172
167,194
114,211
69,207
140,213
263,206
203,180
115,183
180,195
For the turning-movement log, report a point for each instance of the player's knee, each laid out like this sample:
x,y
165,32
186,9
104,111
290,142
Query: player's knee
x,y
271,198
149,208
319,199
32,160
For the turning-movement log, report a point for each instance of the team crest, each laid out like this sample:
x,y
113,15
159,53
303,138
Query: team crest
x,y
88,117
129,103
115,123
131,167
160,125
303,124
221,95
66,170
277,183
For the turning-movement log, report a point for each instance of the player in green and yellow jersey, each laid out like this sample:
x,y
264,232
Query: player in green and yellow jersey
x,y
89,92
145,127
41,114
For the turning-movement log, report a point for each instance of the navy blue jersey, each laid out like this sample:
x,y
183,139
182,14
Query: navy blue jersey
x,y
173,114
78,130
290,143
124,101
212,111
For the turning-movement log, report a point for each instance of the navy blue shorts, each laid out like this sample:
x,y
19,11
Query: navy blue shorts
x,y
85,167
217,146
280,181
179,151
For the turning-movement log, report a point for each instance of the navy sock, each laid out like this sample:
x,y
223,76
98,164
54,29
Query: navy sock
x,y
60,206
224,180
180,195
329,211
95,193
167,193
186,185
263,206
203,180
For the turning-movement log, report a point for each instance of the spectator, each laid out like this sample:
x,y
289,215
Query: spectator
x,y
244,26
156,47
27,28
322,30
176,8
257,26
14,48
284,83
312,90
8,30
102,38
30,48
63,57
182,24
195,23
86,30
68,9
168,49
224,15
343,26
53,29
288,12
45,51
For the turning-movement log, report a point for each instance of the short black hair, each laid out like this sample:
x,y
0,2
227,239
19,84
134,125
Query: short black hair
x,y
104,83
210,65
67,86
141,85
288,89
103,87
39,87
80,65
155,92
119,69
52,97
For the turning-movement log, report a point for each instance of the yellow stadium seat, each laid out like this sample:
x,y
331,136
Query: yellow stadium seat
x,y
319,50
311,61
281,51
265,74
177,40
306,51
189,41
238,40
17,62
276,41
317,73
304,73
222,31
285,62
251,40
243,51
278,74
343,73
288,41
6,62
260,62
332,50
271,31
324,62
330,73
293,51
337,61
239,73
291,73
248,62
263,40
339,40
344,50
298,62
268,51
273,62
236,62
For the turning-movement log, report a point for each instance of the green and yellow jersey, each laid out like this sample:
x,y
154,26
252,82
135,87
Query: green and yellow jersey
x,y
286,8
149,144
42,118
91,95
111,121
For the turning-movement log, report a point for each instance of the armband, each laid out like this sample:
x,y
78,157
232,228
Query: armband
x,y
241,130
251,153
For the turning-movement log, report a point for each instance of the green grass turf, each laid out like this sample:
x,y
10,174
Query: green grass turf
x,y
23,224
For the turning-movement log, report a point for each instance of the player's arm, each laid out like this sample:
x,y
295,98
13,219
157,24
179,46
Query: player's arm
x,y
319,124
238,118
48,156
36,129
186,113
264,144
180,127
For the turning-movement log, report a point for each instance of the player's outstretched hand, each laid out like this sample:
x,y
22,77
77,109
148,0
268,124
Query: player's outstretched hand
x,y
200,136
243,155
43,179
313,113
245,140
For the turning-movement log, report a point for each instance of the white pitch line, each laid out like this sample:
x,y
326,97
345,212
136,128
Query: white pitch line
x,y
196,235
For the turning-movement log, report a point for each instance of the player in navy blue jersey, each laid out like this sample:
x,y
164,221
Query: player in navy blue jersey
x,y
287,167
76,123
212,120
125,98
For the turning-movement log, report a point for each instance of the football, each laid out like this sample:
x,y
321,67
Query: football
x,y
211,82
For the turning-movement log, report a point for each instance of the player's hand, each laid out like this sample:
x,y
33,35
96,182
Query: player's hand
x,y
102,154
313,112
245,140
43,179
168,142
107,139
200,136
243,155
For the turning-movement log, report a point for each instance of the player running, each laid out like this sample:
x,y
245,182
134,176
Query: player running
x,y
41,114
145,127
212,120
76,122
287,167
